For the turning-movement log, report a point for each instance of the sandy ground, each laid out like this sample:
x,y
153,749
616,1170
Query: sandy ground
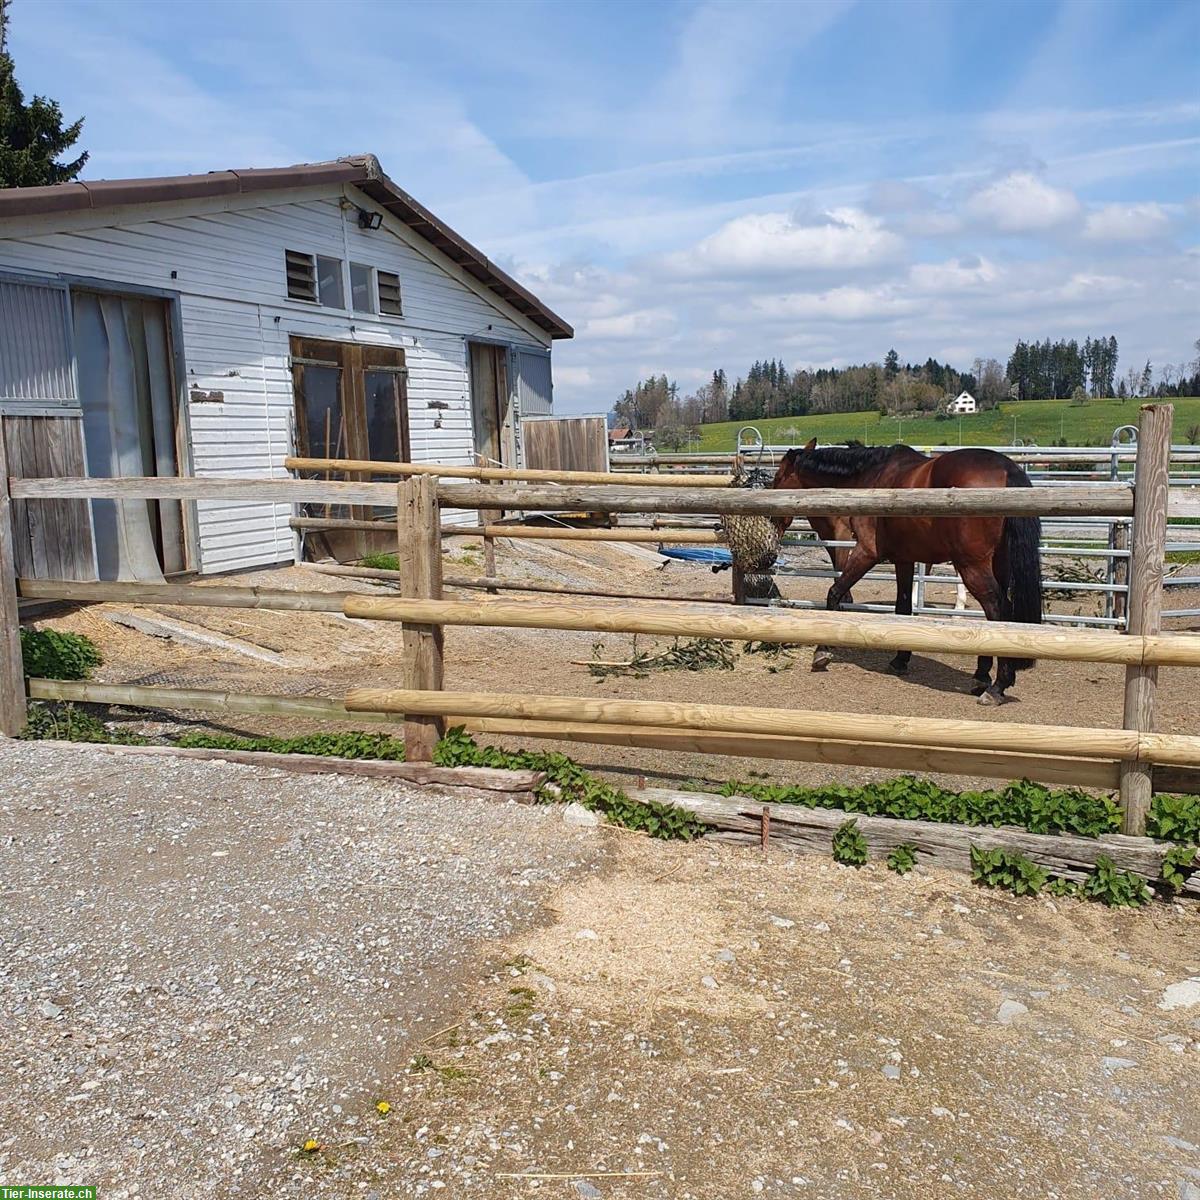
x,y
324,654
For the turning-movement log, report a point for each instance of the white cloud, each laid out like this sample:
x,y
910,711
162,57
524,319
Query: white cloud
x,y
837,304
955,275
767,243
639,323
1022,203
1127,222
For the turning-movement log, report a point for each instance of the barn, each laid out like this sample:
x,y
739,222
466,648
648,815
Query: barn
x,y
214,324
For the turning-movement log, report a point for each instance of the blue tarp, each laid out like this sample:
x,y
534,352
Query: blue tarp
x,y
712,555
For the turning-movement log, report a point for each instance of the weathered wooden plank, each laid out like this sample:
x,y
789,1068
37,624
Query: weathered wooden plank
x,y
810,830
1064,741
520,784
188,594
12,673
1145,597
854,630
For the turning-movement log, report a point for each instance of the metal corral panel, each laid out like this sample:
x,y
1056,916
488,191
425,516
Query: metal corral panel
x,y
535,388
35,346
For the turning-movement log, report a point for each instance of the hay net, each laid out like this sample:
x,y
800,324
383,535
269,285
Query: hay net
x,y
753,540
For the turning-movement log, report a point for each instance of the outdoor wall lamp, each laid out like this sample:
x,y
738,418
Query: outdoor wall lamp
x,y
368,219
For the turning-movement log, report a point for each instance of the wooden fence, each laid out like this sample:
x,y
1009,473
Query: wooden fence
x,y
1134,757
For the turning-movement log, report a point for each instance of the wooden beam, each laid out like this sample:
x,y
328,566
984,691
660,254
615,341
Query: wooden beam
x,y
1100,500
521,784
316,708
501,474
1076,772
854,630
499,583
418,529
1065,741
563,533
12,673
197,595
811,830
1146,566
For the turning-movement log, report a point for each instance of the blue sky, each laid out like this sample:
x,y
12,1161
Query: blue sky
x,y
699,184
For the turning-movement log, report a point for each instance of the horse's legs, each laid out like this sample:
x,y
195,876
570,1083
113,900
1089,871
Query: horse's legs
x,y
858,563
982,584
904,607
983,675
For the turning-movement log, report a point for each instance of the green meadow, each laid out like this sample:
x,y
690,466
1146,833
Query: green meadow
x,y
1038,422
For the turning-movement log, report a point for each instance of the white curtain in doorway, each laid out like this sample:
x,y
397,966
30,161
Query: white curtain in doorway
x,y
123,358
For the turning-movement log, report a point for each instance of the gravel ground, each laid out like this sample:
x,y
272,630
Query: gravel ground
x,y
705,1023
202,964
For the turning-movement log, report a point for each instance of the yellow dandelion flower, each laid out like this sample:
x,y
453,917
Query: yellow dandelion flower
x,y
383,1108
311,1146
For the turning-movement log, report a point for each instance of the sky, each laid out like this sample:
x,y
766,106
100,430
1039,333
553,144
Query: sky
x,y
695,184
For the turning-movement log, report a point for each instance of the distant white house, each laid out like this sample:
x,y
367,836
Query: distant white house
x,y
964,402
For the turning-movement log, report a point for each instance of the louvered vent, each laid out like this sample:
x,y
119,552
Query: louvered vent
x,y
301,276
389,294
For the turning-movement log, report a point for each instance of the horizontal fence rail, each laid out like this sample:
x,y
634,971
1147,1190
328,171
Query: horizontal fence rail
x,y
935,732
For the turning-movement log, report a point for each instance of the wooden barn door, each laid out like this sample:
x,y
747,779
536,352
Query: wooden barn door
x,y
351,402
490,409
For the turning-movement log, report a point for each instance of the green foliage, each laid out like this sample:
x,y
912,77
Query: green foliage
x,y
67,723
1009,869
356,744
380,562
849,845
1116,888
1174,819
1064,888
32,135
903,858
566,780
1178,864
1031,805
48,654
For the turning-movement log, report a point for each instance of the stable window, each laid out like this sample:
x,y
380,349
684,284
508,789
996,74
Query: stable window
x,y
329,282
37,373
362,298
389,293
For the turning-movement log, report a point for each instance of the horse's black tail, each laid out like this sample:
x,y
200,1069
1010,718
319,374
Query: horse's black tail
x,y
1022,589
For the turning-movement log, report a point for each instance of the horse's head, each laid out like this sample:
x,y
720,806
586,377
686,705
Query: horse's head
x,y
791,473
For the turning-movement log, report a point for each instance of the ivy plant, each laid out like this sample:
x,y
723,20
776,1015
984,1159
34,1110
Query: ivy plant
x,y
903,858
49,654
849,845
1001,868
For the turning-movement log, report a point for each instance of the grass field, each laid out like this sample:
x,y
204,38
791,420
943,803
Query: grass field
x,y
1042,422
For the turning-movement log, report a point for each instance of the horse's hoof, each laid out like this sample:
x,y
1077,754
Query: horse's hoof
x,y
898,666
821,660
991,697
979,689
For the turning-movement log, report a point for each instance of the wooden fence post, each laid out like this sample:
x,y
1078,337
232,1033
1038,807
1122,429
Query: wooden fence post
x,y
1148,544
12,675
418,528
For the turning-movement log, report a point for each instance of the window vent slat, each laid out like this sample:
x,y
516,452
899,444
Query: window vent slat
x,y
389,293
301,276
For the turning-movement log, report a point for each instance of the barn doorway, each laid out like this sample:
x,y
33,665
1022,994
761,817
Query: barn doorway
x,y
128,396
351,401
491,411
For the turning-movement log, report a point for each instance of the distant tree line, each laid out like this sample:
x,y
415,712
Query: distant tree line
x,y
1044,370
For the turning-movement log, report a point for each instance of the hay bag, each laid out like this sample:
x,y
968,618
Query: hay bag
x,y
753,542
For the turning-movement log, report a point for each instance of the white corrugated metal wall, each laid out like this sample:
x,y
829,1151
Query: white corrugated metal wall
x,y
227,266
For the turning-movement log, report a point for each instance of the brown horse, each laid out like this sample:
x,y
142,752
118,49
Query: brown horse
x,y
997,557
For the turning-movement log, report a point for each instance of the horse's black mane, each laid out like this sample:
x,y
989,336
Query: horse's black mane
x,y
851,459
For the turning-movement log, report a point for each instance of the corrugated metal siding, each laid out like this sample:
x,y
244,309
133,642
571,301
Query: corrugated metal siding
x,y
35,346
535,387
236,324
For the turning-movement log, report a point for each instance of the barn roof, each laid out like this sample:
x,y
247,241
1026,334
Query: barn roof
x,y
362,171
